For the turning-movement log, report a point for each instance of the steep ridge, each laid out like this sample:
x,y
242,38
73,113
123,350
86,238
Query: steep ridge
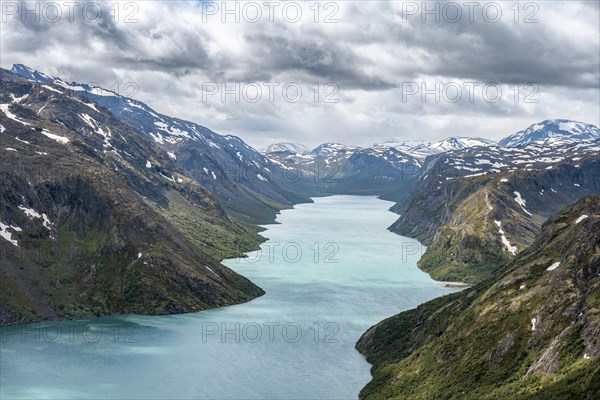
x,y
476,209
95,219
552,128
531,331
240,177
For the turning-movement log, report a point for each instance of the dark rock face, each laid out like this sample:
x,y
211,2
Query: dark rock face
x,y
89,224
242,179
476,209
529,332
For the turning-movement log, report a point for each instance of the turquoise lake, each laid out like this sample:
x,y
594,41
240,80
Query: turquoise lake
x,y
330,270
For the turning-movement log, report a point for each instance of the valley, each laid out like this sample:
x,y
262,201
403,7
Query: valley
x,y
302,330
300,200
110,209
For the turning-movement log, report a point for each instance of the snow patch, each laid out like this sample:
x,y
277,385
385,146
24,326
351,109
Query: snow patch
x,y
581,218
5,110
7,235
148,164
18,99
31,213
51,89
59,139
533,323
210,269
166,177
512,249
212,144
90,105
95,126
521,201
553,266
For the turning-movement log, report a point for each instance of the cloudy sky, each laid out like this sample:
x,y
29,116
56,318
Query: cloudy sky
x,y
347,71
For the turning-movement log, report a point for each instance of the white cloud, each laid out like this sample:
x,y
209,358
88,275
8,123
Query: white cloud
x,y
369,54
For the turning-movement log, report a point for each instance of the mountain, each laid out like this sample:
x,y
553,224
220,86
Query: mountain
x,y
334,168
529,332
476,209
387,169
552,128
285,147
96,219
240,177
421,149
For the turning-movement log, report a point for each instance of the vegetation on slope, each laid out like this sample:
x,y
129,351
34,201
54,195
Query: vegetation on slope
x,y
92,220
462,220
531,331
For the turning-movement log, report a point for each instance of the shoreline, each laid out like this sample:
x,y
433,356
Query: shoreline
x,y
461,285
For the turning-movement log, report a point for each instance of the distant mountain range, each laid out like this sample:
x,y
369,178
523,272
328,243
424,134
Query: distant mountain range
x,y
548,129
107,206
392,167
417,149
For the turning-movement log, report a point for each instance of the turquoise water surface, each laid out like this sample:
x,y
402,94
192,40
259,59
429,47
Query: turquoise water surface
x,y
330,271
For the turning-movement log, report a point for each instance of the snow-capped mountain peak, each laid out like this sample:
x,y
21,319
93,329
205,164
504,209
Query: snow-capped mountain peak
x,y
552,128
297,148
26,72
459,143
422,149
333,148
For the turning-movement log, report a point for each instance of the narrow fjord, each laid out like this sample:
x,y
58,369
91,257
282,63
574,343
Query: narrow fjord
x,y
324,287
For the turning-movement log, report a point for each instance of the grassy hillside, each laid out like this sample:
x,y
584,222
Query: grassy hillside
x,y
531,331
472,225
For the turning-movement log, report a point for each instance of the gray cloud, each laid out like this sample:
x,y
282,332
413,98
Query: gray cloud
x,y
369,54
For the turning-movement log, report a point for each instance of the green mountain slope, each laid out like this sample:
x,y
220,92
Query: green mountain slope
x,y
532,331
96,219
473,224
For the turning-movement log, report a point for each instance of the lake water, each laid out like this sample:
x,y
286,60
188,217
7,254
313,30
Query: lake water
x,y
330,269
